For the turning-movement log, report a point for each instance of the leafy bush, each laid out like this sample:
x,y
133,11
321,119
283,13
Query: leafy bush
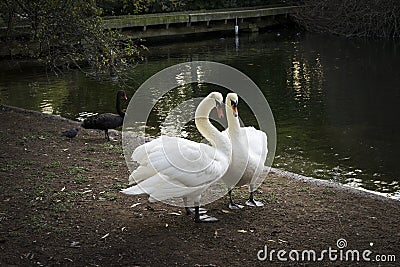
x,y
125,7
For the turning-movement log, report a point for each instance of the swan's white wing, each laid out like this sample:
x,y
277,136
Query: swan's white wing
x,y
161,188
257,142
249,155
254,141
258,151
173,167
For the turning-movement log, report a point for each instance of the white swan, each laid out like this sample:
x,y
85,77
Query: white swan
x,y
172,167
249,152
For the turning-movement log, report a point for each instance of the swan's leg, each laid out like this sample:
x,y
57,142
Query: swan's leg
x,y
190,211
185,202
107,136
202,218
232,204
252,202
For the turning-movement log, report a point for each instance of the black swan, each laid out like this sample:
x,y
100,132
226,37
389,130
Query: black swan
x,y
107,120
71,133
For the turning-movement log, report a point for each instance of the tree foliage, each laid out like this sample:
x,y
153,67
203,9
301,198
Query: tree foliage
x,y
66,33
133,7
358,18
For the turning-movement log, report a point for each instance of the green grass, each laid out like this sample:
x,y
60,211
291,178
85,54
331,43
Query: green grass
x,y
61,206
271,197
16,164
110,196
268,181
77,170
42,136
13,234
329,192
8,167
54,164
110,163
281,184
49,175
63,201
38,222
81,179
302,189
90,148
39,191
119,184
113,147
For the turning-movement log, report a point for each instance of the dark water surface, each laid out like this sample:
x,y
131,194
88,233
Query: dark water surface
x,y
335,101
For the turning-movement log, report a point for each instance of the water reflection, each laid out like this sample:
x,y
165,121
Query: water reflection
x,y
46,106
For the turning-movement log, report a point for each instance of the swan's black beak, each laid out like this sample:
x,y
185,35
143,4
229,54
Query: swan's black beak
x,y
220,111
234,108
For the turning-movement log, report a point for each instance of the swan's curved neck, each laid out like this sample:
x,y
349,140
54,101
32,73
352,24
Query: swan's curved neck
x,y
119,110
203,124
233,122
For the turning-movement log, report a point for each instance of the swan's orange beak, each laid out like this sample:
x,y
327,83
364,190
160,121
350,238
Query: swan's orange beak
x,y
220,111
234,108
235,111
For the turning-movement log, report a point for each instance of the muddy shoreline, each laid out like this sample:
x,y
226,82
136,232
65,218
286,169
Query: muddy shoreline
x,y
60,205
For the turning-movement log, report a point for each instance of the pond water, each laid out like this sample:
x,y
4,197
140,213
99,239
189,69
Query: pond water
x,y
335,101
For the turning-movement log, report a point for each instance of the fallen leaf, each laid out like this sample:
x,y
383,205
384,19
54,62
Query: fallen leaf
x,y
242,231
136,204
225,211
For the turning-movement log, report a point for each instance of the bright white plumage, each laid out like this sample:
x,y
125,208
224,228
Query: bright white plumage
x,y
249,153
173,167
167,172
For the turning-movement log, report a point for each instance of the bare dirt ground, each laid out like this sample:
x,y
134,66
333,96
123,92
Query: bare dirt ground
x,y
60,205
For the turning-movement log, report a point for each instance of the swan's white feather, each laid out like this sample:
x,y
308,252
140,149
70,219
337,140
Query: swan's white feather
x,y
258,151
166,172
172,167
249,153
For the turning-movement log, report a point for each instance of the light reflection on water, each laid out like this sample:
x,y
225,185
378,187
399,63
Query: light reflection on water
x,y
334,100
46,106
